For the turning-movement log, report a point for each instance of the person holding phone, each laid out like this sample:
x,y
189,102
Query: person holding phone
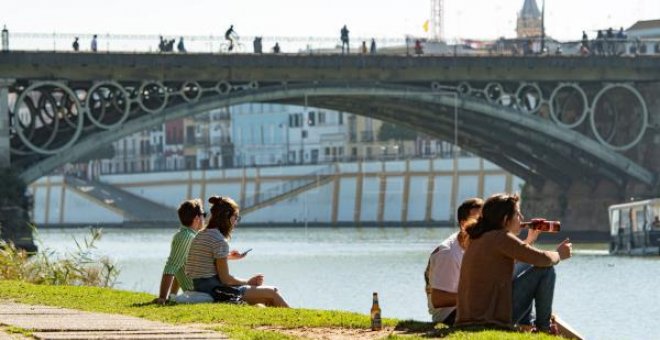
x,y
207,264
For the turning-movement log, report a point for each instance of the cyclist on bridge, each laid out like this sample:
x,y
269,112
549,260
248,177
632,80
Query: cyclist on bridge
x,y
231,36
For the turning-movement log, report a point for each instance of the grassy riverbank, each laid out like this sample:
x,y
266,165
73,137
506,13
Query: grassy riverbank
x,y
239,322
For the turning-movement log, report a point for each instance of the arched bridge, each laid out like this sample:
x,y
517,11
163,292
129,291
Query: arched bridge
x,y
584,132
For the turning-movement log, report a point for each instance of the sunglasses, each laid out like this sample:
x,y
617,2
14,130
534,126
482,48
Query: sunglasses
x,y
203,214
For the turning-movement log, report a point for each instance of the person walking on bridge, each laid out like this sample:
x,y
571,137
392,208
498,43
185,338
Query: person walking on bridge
x,y
94,44
344,40
76,44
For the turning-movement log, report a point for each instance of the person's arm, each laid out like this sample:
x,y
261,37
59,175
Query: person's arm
x,y
222,268
165,284
513,247
441,298
173,264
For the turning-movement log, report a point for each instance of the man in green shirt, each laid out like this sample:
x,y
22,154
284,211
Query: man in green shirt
x,y
191,214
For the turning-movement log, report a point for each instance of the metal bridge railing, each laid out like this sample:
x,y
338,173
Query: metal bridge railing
x,y
149,43
146,43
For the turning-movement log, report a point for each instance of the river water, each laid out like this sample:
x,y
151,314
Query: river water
x,y
602,296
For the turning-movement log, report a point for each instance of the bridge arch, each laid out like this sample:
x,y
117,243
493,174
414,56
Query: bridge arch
x,y
500,134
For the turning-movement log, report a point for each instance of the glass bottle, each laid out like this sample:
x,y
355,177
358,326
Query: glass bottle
x,y
543,225
376,322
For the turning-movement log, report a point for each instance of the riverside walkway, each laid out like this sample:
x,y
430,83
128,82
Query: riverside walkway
x,y
45,322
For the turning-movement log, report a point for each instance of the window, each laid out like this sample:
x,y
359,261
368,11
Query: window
x,y
311,118
321,118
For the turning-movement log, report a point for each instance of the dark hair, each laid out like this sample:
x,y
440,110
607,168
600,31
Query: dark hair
x,y
463,212
189,210
222,209
496,209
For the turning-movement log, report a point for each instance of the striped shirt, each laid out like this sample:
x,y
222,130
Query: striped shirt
x,y
207,246
178,255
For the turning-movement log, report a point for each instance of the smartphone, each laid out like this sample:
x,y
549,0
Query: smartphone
x,y
245,252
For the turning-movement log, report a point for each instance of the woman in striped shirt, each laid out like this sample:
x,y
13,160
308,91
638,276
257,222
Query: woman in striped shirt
x,y
207,260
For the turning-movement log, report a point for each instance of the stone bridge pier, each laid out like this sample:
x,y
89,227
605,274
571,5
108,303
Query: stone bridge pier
x,y
581,205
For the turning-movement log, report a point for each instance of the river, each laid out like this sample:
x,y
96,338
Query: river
x,y
602,296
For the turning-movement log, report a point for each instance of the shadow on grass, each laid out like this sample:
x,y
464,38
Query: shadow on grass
x,y
423,329
432,330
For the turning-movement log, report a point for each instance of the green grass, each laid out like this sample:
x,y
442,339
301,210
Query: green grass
x,y
236,321
17,330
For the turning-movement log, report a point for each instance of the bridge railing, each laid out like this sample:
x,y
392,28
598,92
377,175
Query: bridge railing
x,y
149,43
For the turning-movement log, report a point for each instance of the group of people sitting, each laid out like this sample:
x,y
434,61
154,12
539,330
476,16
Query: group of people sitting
x,y
481,275
198,262
485,276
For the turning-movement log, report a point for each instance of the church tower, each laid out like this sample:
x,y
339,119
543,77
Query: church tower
x,y
529,20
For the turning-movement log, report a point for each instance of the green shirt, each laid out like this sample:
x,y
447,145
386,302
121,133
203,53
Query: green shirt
x,y
178,256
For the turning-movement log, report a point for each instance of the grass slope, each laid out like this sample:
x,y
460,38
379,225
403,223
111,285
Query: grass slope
x,y
237,321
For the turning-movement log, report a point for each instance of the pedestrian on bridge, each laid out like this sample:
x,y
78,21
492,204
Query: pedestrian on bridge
x,y
372,49
94,44
344,40
276,48
180,46
76,45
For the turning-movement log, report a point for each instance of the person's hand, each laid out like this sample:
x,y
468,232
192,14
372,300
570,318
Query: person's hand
x,y
159,301
565,249
235,255
532,236
256,280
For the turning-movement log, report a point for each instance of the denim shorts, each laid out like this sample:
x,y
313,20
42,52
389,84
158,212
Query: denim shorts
x,y
206,285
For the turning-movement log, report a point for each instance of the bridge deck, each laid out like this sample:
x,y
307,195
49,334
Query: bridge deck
x,y
292,68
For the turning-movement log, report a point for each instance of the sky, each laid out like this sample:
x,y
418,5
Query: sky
x,y
476,19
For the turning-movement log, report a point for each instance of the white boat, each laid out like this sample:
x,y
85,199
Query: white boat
x,y
635,228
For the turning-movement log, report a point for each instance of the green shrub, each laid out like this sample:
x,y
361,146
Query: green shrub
x,y
77,268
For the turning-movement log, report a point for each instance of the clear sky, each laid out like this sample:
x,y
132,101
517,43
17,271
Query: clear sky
x,y
479,19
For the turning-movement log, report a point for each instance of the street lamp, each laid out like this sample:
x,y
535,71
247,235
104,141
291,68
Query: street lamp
x,y
5,39
543,27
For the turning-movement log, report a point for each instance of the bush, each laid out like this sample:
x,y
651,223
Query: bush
x,y
77,268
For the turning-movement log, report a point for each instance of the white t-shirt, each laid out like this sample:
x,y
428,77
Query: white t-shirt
x,y
443,272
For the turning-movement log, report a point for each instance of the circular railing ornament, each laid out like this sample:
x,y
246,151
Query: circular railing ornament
x,y
464,89
615,125
529,97
191,91
153,96
494,92
55,104
223,87
554,101
107,104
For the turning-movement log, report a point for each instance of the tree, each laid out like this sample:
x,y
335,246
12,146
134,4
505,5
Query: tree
x,y
390,131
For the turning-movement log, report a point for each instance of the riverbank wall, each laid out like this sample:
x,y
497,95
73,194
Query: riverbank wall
x,y
408,192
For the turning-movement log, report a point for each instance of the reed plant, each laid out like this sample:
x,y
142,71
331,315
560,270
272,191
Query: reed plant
x,y
80,267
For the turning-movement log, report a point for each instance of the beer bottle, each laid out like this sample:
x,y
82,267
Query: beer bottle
x,y
376,323
543,225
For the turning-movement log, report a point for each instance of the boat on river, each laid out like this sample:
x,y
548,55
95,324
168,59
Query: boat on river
x,y
635,228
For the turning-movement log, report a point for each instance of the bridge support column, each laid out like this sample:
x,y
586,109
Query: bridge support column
x,y
14,204
580,207
4,123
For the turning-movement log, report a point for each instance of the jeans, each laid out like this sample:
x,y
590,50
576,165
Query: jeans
x,y
533,284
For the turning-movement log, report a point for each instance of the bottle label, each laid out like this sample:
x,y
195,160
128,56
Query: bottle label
x,y
376,323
